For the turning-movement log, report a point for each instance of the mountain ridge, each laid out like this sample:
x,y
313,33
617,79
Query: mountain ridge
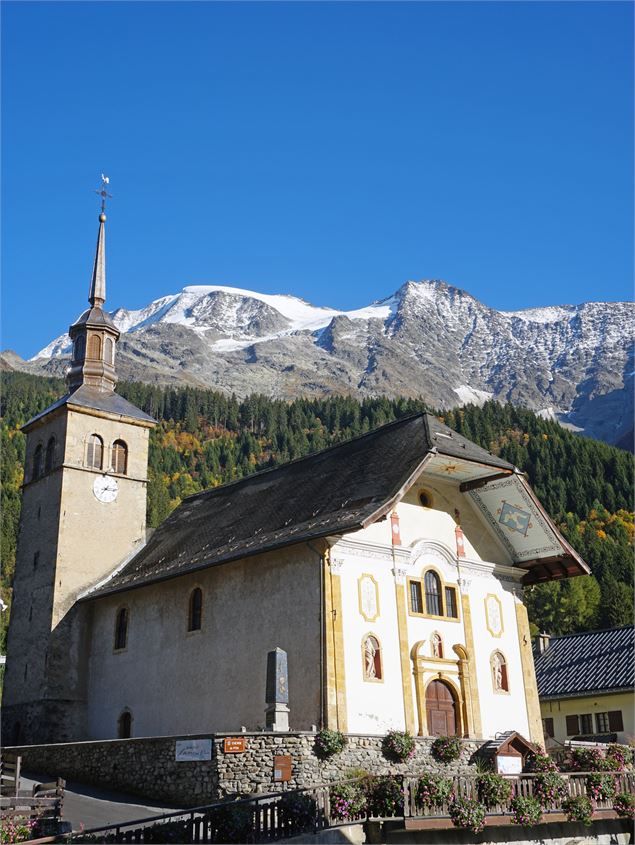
x,y
429,338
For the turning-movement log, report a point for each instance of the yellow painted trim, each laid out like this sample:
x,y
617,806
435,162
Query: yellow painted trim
x,y
529,676
330,679
338,642
406,680
474,700
424,615
500,614
359,597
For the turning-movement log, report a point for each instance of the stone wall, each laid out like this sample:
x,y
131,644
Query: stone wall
x,y
147,767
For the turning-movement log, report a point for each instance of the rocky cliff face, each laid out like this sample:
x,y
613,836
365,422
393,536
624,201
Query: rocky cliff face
x,y
429,339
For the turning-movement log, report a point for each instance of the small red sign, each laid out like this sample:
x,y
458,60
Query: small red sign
x,y
460,544
234,744
394,524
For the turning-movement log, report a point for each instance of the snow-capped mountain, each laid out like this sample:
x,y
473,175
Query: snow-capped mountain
x,y
429,339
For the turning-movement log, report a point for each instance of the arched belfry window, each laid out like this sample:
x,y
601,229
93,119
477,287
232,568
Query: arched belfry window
x,y
79,347
124,725
500,680
95,451
37,461
195,611
94,346
121,628
109,351
119,457
50,455
371,656
432,585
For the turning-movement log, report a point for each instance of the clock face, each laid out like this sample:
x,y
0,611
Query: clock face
x,y
105,489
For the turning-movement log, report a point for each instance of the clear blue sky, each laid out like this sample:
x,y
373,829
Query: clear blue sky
x,y
328,150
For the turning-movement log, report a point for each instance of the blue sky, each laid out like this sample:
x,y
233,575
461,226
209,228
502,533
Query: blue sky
x,y
327,150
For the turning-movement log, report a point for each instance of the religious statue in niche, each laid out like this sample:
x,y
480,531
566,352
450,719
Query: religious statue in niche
x,y
372,659
436,645
368,599
499,672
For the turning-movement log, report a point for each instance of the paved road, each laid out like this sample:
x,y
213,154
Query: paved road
x,y
94,807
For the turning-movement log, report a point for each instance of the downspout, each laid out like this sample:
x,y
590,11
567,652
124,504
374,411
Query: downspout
x,y
323,563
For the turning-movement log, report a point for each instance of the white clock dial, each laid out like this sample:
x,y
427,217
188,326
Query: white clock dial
x,y
105,489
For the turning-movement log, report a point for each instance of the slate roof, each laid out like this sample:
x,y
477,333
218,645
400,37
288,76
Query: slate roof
x,y
342,488
594,661
99,400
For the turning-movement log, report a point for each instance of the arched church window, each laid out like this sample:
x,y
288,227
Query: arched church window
x,y
94,346
500,680
109,350
121,628
124,725
432,584
79,347
37,461
50,455
436,645
119,457
371,655
195,610
95,452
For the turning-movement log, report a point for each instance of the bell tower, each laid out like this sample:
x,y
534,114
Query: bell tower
x,y
83,513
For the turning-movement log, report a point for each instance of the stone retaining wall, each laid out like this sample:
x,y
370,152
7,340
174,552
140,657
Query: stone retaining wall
x,y
147,766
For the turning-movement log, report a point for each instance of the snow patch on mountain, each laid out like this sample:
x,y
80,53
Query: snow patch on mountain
x,y
469,395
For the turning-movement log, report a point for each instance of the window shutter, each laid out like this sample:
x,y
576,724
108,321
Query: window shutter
x,y
549,726
616,722
572,725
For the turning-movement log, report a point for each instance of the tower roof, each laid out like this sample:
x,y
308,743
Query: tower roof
x,y
97,293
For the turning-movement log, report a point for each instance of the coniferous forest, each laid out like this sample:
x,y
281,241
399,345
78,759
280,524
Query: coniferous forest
x,y
205,438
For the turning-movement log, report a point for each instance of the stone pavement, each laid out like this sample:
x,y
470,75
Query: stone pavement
x,y
91,806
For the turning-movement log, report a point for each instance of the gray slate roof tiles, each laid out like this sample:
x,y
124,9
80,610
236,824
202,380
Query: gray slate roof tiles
x,y
593,661
98,400
330,492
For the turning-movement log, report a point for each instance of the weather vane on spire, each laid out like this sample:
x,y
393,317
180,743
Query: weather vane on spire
x,y
103,193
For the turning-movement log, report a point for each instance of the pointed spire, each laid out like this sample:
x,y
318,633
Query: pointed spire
x,y
97,295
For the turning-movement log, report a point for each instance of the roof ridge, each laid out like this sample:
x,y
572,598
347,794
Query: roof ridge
x,y
587,633
279,467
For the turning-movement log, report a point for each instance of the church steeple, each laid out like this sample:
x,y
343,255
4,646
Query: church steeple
x,y
94,335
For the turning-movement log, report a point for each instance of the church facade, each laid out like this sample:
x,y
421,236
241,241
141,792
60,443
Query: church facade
x,y
390,569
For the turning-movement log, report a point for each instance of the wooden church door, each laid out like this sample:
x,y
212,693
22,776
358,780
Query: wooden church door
x,y
440,710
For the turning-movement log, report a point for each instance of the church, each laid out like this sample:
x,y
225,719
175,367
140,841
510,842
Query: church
x,y
390,569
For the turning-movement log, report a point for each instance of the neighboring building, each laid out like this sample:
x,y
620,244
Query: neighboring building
x,y
390,569
586,684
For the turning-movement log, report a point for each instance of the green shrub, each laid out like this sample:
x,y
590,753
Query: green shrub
x,y
541,762
328,743
398,746
468,813
549,789
446,749
385,796
16,829
348,801
525,810
298,811
232,822
620,755
493,789
600,787
578,809
624,805
433,790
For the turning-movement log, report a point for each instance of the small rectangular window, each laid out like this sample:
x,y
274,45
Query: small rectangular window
x,y
451,603
616,722
573,726
548,726
416,603
586,723
602,722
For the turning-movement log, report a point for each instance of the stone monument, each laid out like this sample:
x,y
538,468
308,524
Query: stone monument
x,y
277,711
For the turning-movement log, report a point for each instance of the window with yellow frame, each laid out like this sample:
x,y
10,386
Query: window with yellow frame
x,y
430,597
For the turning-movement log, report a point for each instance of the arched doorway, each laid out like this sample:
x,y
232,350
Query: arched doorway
x,y
441,710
